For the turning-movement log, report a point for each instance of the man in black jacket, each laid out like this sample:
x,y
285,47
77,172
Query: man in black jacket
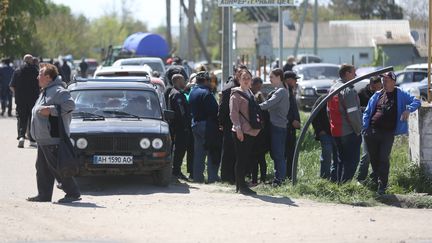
x,y
25,86
228,154
180,126
329,154
364,95
290,78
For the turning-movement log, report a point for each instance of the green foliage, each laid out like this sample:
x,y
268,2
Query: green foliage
x,y
379,57
18,26
368,9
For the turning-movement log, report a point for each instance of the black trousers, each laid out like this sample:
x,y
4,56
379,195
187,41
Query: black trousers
x,y
190,155
24,117
45,174
228,157
243,152
6,100
258,160
181,143
291,140
379,145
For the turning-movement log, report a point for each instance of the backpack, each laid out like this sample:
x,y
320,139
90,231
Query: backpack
x,y
255,113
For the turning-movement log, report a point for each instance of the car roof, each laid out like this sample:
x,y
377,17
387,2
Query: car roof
x,y
140,59
316,65
417,66
109,84
125,68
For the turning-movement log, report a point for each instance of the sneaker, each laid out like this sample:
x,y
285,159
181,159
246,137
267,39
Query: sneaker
x,y
69,199
33,144
21,143
38,199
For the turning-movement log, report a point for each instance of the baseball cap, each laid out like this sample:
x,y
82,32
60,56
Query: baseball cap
x,y
290,74
389,75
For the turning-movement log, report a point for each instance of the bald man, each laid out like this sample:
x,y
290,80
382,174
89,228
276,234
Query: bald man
x,y
24,85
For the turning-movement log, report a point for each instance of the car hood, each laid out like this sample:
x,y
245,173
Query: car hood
x,y
318,83
116,125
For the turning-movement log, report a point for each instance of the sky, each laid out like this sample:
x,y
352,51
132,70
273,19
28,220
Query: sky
x,y
151,12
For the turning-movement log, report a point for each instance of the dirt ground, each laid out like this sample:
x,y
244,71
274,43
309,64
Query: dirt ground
x,y
123,209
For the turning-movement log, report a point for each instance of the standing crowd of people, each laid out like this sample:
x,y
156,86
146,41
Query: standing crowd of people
x,y
234,134
355,129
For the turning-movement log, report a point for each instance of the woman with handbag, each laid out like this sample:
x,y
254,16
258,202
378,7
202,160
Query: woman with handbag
x,y
48,127
243,132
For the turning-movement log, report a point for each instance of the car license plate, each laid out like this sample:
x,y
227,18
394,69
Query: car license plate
x,y
112,160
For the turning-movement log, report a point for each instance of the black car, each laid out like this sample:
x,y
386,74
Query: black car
x,y
315,80
119,128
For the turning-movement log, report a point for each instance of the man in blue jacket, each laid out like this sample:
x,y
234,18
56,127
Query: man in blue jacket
x,y
204,109
385,116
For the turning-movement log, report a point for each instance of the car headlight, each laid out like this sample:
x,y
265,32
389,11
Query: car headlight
x,y
72,142
308,91
157,143
145,143
81,143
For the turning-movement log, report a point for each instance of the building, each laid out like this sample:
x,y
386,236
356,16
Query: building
x,y
358,41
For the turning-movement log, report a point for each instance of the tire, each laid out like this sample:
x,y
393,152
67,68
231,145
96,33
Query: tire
x,y
163,176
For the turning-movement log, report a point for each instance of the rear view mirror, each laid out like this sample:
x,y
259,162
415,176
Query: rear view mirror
x,y
169,114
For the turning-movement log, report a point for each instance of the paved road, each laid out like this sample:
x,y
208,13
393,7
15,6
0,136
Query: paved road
x,y
132,210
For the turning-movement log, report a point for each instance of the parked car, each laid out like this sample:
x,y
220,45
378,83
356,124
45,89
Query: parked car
x,y
119,128
315,80
417,88
155,63
410,76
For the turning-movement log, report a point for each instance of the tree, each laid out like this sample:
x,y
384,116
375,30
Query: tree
x,y
61,33
17,26
368,9
416,11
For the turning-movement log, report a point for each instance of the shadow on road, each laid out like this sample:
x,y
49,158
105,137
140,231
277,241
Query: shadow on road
x,y
126,185
80,205
276,200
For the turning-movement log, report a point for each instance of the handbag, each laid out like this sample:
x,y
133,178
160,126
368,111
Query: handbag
x,y
67,159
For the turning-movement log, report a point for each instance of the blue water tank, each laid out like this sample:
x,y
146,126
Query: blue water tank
x,y
147,44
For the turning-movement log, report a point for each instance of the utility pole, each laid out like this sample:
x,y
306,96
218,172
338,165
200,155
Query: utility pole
x,y
226,66
429,54
168,20
302,20
191,15
316,27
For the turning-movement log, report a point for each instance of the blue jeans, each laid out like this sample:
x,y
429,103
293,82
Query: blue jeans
x,y
277,151
349,155
364,162
329,159
200,154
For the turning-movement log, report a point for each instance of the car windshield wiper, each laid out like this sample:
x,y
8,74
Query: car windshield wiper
x,y
121,114
83,114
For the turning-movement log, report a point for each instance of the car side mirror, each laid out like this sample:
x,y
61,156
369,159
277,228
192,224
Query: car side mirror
x,y
169,114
